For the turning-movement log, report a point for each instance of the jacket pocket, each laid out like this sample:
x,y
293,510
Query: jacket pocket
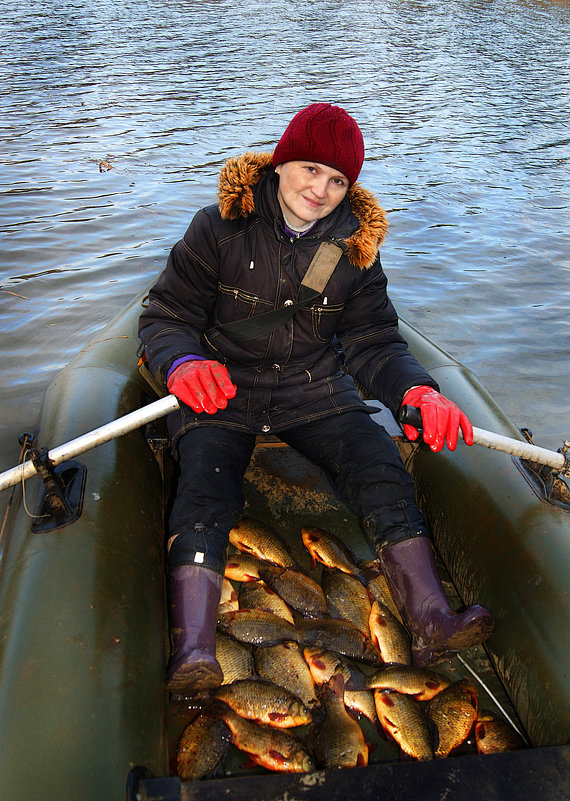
x,y
234,303
324,321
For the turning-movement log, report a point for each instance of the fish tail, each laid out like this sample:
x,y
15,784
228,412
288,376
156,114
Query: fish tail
x,y
336,684
365,576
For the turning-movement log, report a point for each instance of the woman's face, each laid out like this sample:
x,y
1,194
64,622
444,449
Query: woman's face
x,y
308,191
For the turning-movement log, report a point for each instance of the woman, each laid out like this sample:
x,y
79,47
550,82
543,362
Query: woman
x,y
246,257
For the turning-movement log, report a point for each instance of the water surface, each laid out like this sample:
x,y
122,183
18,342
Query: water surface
x,y
464,108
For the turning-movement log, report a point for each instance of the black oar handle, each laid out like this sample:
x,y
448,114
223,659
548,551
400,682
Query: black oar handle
x,y
410,416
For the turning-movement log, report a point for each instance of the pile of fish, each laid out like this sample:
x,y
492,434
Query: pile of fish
x,y
304,662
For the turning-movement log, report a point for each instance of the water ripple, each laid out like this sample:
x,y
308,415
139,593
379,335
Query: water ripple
x,y
464,108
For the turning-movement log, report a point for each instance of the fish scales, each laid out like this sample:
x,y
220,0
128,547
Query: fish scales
x,y
272,748
265,702
454,711
203,746
347,599
494,736
259,595
235,658
257,627
403,719
284,663
256,538
340,741
341,636
389,635
377,584
422,683
297,590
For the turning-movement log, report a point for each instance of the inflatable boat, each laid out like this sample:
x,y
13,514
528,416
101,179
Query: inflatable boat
x,y
84,712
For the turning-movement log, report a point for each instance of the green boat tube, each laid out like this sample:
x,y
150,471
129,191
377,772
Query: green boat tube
x,y
84,636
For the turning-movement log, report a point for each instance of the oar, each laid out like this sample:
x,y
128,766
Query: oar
x,y
105,433
153,411
410,415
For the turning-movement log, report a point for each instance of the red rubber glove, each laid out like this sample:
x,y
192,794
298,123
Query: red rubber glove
x,y
203,384
441,419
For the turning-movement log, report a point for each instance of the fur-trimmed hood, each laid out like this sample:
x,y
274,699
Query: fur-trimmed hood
x,y
240,174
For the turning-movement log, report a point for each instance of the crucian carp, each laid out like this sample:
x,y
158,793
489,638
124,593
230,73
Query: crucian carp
x,y
257,627
340,636
234,658
403,719
285,661
265,702
389,635
228,599
340,742
422,683
324,664
328,549
494,736
259,595
256,538
242,567
275,749
347,598
296,589
454,711
202,747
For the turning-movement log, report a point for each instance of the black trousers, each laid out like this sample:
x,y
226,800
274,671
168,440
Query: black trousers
x,y
359,457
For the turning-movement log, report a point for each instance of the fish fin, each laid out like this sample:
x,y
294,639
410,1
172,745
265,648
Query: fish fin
x,y
367,573
361,576
434,734
251,761
336,684
405,757
217,709
355,682
218,772
277,756
319,715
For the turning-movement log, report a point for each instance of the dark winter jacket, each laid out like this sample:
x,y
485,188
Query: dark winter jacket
x,y
236,261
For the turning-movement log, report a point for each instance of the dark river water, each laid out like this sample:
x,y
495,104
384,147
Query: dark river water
x,y
465,109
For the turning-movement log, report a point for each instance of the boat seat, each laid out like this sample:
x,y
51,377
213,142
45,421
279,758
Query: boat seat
x,y
384,417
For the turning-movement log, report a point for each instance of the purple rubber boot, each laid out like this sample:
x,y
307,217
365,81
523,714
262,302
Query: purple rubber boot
x,y
194,598
438,632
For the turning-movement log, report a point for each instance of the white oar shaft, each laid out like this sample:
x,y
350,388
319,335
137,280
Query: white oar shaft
x,y
159,408
518,448
98,436
410,415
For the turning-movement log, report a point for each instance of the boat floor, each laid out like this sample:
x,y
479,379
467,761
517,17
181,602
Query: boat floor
x,y
541,773
286,491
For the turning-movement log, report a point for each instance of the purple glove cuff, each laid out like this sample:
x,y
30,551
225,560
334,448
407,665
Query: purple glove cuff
x,y
189,358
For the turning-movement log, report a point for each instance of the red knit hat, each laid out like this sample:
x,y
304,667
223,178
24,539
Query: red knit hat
x,y
325,134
